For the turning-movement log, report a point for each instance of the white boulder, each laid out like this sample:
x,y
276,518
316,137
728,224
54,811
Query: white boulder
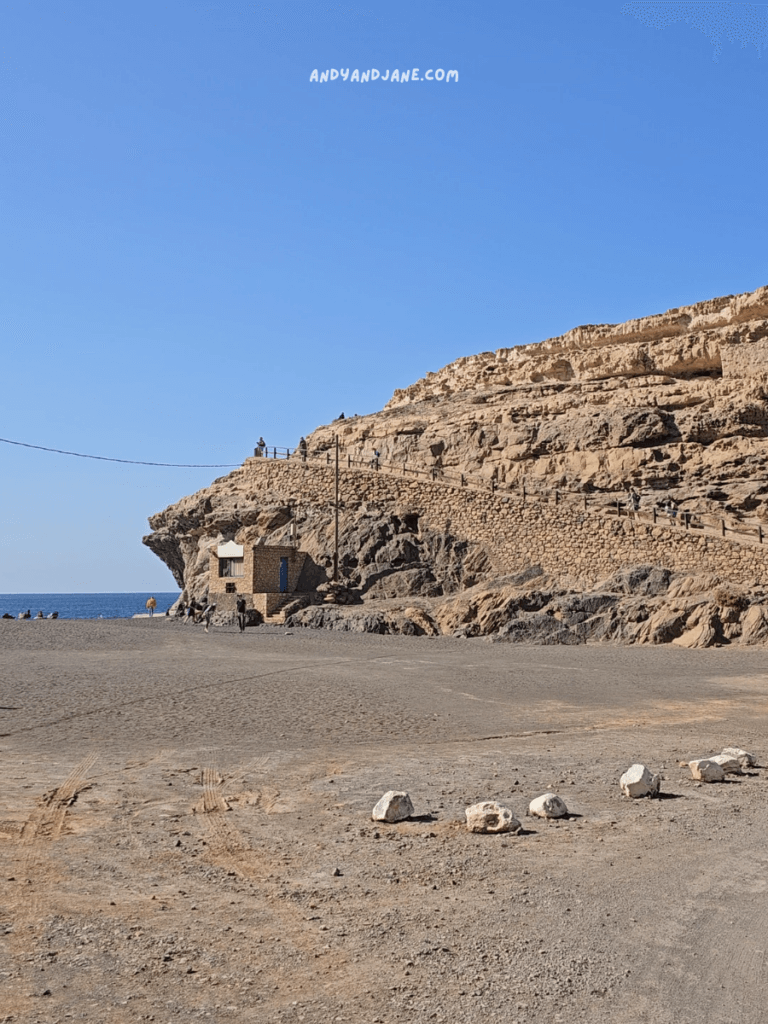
x,y
489,816
549,805
638,781
393,806
730,765
706,770
745,759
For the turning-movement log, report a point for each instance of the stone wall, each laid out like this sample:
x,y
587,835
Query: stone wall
x,y
584,546
218,584
266,568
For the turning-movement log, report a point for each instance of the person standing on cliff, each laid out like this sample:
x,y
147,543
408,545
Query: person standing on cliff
x,y
150,606
303,449
241,613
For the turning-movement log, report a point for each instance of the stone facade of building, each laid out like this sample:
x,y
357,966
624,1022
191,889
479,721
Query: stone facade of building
x,y
260,582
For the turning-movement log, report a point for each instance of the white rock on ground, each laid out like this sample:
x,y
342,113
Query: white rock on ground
x,y
730,765
549,805
706,770
745,759
489,816
393,806
638,781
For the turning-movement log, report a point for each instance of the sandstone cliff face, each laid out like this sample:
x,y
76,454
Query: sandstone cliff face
x,y
676,401
674,404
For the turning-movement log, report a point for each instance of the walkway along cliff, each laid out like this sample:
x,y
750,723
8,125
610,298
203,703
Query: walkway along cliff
x,y
498,504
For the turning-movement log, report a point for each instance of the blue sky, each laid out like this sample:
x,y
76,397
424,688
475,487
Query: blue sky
x,y
200,245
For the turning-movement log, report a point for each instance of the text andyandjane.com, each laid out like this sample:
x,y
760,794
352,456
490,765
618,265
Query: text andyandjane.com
x,y
412,75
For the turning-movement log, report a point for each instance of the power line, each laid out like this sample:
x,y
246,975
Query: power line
x,y
131,462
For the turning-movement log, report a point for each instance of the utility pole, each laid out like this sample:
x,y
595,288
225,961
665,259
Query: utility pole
x,y
336,538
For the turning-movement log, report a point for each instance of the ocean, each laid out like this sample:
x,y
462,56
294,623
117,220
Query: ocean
x,y
85,606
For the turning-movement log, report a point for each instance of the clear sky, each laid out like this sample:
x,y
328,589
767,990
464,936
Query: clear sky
x,y
200,245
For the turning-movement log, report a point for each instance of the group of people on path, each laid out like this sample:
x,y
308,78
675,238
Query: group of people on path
x,y
195,612
301,448
668,506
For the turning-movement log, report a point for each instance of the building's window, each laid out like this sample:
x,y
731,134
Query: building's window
x,y
230,567
230,588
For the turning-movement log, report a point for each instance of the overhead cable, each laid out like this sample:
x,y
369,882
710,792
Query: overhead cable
x,y
130,462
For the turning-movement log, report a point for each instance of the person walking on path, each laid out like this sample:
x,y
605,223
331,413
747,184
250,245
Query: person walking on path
x,y
241,613
150,606
208,615
303,449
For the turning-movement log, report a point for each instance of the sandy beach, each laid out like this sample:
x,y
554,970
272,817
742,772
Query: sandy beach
x,y
185,829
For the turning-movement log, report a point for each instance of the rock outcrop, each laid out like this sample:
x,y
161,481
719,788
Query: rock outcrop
x,y
673,405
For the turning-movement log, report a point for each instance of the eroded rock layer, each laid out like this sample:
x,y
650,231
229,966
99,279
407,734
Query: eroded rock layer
x,y
675,401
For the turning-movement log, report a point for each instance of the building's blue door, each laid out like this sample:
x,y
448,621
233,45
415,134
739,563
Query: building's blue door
x,y
283,575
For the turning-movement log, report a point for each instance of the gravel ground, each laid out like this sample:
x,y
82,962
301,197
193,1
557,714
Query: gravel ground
x,y
185,829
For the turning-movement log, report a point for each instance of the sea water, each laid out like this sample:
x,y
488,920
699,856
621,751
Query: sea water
x,y
85,606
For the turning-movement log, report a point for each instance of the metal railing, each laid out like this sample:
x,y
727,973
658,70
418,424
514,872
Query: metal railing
x,y
612,503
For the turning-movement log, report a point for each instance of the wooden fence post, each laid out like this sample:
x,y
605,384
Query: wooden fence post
x,y
722,527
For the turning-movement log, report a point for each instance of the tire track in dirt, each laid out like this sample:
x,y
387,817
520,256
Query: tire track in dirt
x,y
231,850
47,820
224,838
37,872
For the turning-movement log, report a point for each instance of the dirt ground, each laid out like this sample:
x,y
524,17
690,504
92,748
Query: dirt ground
x,y
185,829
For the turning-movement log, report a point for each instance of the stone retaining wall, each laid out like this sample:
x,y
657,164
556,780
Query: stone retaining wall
x,y
586,546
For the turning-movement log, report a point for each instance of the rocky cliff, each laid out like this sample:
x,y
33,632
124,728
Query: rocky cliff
x,y
675,405
674,401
